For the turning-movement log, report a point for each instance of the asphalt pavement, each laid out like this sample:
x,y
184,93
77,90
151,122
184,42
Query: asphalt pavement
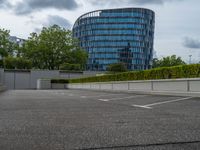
x,y
87,120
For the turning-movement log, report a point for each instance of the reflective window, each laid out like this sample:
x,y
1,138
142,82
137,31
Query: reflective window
x,y
112,36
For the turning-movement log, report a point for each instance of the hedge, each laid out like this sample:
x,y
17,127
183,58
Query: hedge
x,y
183,71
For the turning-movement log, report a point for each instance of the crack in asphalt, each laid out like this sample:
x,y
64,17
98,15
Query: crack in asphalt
x,y
141,145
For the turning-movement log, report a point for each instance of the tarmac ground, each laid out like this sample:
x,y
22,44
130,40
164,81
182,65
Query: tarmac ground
x,y
87,120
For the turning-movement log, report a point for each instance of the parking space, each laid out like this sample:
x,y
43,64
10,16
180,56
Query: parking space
x,y
136,100
81,119
146,101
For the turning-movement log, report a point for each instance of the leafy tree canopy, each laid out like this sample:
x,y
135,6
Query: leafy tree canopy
x,y
6,47
118,67
168,61
17,63
53,47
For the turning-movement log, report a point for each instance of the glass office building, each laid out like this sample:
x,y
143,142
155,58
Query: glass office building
x,y
117,35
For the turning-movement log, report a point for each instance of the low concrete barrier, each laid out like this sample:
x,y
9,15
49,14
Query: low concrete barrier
x,y
2,87
44,84
58,86
175,86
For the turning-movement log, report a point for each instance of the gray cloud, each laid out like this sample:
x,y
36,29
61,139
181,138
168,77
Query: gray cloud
x,y
191,43
54,19
50,20
140,2
153,1
4,4
29,6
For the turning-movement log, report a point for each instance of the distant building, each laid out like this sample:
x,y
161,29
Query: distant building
x,y
117,35
17,40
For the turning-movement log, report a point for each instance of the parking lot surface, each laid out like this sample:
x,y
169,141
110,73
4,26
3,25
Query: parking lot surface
x,y
84,120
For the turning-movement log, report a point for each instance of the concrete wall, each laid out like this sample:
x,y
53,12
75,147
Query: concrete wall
x,y
169,85
177,85
140,85
43,84
15,79
194,86
39,74
2,87
22,80
1,75
9,80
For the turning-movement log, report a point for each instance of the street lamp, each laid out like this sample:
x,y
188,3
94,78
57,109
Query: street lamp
x,y
190,59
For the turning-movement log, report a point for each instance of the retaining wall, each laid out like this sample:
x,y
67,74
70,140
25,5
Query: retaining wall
x,y
16,79
2,87
167,86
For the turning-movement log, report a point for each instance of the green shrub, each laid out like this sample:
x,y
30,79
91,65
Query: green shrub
x,y
67,66
16,63
184,71
59,81
118,67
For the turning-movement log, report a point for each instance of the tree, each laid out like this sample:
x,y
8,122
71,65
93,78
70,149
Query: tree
x,y
6,46
53,47
78,56
168,61
16,63
156,63
67,66
118,67
4,42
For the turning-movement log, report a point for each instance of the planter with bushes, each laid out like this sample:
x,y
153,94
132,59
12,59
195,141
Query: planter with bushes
x,y
184,71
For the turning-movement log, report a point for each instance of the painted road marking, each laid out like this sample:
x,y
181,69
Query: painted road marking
x,y
100,95
142,106
148,106
106,100
83,96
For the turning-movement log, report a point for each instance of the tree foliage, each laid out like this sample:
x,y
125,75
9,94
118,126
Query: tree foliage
x,y
168,61
6,46
4,42
67,66
78,56
182,71
118,67
16,63
53,47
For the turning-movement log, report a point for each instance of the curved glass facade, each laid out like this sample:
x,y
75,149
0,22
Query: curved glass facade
x,y
117,35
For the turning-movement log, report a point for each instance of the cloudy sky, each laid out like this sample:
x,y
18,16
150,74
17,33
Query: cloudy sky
x,y
177,21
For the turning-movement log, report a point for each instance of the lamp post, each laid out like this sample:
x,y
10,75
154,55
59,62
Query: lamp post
x,y
190,59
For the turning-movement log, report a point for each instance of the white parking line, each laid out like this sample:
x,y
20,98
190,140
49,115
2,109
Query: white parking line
x,y
148,106
104,100
100,95
142,106
135,96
